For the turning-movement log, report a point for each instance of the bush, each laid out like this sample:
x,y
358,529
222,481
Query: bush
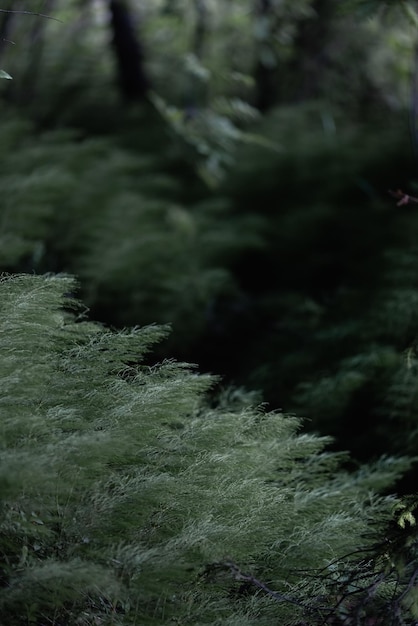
x,y
334,288
128,498
133,231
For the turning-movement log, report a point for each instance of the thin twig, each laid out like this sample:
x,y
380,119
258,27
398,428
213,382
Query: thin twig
x,y
411,583
414,103
249,578
403,198
48,17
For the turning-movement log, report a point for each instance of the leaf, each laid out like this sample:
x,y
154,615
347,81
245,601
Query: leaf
x,y
4,74
410,13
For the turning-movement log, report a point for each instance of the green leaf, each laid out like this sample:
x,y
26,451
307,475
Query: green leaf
x,y
410,13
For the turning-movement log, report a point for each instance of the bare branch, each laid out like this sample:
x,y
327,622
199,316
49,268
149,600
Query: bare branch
x,y
241,576
403,198
48,17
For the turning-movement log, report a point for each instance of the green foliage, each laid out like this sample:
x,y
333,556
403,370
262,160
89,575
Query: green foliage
x,y
373,381
128,499
327,309
122,222
370,7
335,286
129,494
212,134
207,79
62,67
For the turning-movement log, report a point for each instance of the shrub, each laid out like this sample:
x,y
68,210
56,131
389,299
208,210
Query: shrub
x,y
132,230
128,498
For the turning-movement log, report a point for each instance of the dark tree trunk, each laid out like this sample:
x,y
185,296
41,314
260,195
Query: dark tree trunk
x,y
133,81
200,31
6,20
311,51
266,73
35,43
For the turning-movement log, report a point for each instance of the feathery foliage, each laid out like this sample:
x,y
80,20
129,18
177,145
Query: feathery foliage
x,y
335,285
127,498
123,223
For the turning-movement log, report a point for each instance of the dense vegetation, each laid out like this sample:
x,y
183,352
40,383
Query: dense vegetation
x,y
216,178
127,498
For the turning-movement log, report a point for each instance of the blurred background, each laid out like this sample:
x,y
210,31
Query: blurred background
x,y
224,167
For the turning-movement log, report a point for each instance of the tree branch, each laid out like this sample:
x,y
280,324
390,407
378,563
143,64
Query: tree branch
x,y
403,198
48,17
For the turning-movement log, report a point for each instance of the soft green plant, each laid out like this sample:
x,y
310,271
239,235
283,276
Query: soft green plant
x,y
128,498
373,372
335,284
207,78
135,232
